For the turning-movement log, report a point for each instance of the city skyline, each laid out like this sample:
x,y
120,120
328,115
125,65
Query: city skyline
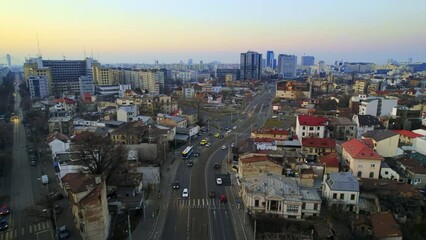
x,y
142,32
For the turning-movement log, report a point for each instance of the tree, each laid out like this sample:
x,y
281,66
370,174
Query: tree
x,y
99,153
46,207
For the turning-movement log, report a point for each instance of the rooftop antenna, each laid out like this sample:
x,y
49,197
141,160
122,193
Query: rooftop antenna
x,y
91,51
38,47
84,48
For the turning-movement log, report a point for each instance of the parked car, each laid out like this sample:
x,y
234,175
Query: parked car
x,y
235,127
45,179
33,163
3,224
4,210
223,147
63,232
190,163
219,181
216,166
217,135
185,193
208,144
176,185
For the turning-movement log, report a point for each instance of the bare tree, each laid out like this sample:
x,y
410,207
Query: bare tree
x,y
99,153
45,208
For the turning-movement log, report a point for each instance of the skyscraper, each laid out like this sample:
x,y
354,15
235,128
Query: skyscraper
x,y
287,65
270,59
308,61
251,65
9,62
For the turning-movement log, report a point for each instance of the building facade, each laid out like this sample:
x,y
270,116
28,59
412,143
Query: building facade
x,y
38,86
251,66
287,65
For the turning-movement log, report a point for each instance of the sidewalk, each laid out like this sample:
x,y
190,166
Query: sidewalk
x,y
154,216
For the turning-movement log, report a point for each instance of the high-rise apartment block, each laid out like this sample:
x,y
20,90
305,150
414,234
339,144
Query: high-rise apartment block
x,y
38,86
270,59
308,61
251,65
287,65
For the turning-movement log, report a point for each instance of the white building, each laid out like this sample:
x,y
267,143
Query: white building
x,y
189,92
387,172
311,126
377,106
127,113
39,87
366,123
341,188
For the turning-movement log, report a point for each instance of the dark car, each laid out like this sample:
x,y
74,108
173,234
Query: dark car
x,y
3,224
33,162
190,163
4,210
212,194
216,166
56,195
63,232
176,185
196,154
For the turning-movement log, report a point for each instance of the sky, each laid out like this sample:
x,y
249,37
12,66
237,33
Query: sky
x,y
140,31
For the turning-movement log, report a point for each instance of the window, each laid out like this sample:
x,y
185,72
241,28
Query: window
x,y
303,134
318,128
373,165
342,196
352,196
311,128
303,127
315,206
359,174
334,195
292,208
371,174
256,203
303,205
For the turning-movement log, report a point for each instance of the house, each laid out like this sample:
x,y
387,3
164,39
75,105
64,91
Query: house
x,y
63,107
62,125
171,121
311,126
366,123
191,116
127,113
377,106
407,137
251,164
341,188
406,118
270,133
88,200
330,162
279,196
385,142
314,147
68,162
361,160
413,171
265,144
58,143
385,227
130,133
342,128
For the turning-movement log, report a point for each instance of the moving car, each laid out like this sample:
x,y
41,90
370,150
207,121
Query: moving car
x,y
190,163
45,179
223,198
176,185
185,193
33,162
3,224
232,145
4,210
216,165
63,232
217,135
196,154
219,181
208,144
234,127
223,147
203,142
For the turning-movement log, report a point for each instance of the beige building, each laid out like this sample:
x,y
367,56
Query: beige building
x,y
360,86
32,69
361,160
385,142
103,76
252,164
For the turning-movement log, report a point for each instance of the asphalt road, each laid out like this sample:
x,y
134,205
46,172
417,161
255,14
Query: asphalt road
x,y
199,216
24,187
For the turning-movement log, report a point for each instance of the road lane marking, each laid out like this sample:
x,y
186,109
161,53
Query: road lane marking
x,y
203,201
31,229
198,202
22,231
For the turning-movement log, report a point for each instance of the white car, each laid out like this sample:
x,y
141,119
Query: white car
x,y
234,127
223,147
229,131
219,181
208,144
232,145
185,193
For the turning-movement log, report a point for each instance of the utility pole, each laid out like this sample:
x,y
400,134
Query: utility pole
x,y
254,229
130,228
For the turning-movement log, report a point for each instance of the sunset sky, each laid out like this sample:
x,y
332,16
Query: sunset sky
x,y
137,31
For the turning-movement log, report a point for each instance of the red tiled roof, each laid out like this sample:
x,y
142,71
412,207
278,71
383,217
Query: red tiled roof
x,y
357,149
330,160
78,182
385,226
93,196
369,142
407,133
271,131
254,159
318,142
307,120
65,100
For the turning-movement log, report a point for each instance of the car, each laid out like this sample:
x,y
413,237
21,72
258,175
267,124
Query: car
x,y
190,163
4,210
212,194
227,128
203,142
223,147
229,131
219,181
63,232
56,195
208,144
232,145
33,162
222,198
185,193
199,134
234,127
3,224
176,185
217,135
216,166
196,154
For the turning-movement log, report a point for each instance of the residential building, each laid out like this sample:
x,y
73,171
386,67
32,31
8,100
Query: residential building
x,y
153,104
377,106
287,65
342,128
86,85
419,145
251,66
279,196
360,87
307,61
38,86
385,142
341,188
413,171
406,118
313,147
255,165
131,133
34,67
330,162
311,126
270,59
361,160
171,121
366,123
58,143
89,205
293,90
270,133
62,125
189,92
223,73
385,227
407,137
127,113
103,76
386,172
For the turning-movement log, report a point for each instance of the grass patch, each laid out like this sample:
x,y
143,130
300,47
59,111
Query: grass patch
x,y
283,122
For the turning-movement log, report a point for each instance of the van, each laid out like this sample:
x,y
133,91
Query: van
x,y
45,179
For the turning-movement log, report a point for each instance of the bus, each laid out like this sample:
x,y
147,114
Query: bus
x,y
187,152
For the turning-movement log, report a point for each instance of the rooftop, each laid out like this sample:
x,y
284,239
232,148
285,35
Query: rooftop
x,y
407,133
330,160
308,120
379,135
385,226
358,150
319,142
343,181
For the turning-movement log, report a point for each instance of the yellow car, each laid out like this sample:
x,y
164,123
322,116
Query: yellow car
x,y
217,135
203,142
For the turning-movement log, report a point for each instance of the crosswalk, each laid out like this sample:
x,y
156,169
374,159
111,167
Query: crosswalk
x,y
210,203
14,233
